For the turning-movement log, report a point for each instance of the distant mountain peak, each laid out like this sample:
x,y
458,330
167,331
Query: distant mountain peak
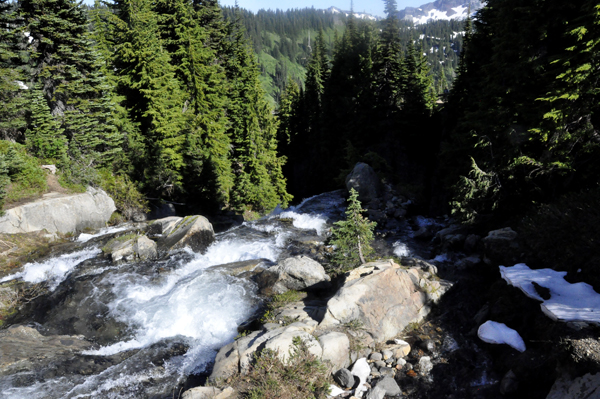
x,y
440,10
359,15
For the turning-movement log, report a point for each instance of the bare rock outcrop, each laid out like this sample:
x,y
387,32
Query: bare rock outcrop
x,y
62,214
384,297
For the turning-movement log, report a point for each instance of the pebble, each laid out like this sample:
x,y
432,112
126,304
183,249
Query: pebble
x,y
375,356
380,363
344,378
390,386
387,354
387,372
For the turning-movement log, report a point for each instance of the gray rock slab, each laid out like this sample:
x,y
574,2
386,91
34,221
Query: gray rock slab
x,y
64,214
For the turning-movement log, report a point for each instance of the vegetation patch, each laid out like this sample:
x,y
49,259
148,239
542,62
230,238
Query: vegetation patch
x,y
302,376
277,302
128,199
564,236
18,249
110,246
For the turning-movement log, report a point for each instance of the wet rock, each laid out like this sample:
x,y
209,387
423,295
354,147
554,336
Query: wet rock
x,y
471,243
138,248
336,349
25,349
296,273
584,387
424,233
365,181
468,262
389,386
344,378
247,268
453,242
192,231
408,297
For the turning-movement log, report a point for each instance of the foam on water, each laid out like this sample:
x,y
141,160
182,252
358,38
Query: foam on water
x,y
53,270
202,305
401,249
306,221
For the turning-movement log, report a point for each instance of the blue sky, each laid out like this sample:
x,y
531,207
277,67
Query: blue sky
x,y
374,7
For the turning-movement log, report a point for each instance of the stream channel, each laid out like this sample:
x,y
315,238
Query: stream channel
x,y
149,326
152,329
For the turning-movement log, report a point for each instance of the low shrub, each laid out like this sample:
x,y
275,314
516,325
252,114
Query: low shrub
x,y
27,179
128,200
278,301
565,236
302,376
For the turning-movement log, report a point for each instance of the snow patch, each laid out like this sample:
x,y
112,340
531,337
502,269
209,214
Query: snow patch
x,y
498,333
568,302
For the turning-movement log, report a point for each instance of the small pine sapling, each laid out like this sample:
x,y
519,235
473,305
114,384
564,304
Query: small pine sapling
x,y
352,237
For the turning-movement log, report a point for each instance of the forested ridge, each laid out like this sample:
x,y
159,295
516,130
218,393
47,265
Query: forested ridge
x,y
284,42
167,96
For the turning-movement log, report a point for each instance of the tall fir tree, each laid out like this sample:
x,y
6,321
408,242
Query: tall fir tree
x,y
259,181
67,68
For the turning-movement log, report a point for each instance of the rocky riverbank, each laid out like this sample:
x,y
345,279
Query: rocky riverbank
x,y
152,309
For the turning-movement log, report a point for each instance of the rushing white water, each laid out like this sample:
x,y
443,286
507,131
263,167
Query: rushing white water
x,y
53,270
401,249
180,300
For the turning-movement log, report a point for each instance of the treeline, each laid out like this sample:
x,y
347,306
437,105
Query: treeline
x,y
518,128
164,92
371,100
285,40
523,115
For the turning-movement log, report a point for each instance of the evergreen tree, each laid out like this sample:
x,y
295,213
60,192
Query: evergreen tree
x,y
45,138
259,180
154,96
66,67
352,237
4,182
12,76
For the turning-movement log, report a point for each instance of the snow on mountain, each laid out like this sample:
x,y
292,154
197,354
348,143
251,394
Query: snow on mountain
x,y
359,15
440,10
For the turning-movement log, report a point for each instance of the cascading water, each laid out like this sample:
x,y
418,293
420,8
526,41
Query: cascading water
x,y
169,317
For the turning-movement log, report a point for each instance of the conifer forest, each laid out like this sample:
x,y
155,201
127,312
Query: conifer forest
x,y
221,109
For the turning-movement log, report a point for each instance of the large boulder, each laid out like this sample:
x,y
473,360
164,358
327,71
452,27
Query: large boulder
x,y
60,214
365,181
239,355
296,273
384,297
587,386
336,349
193,231
130,249
501,247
